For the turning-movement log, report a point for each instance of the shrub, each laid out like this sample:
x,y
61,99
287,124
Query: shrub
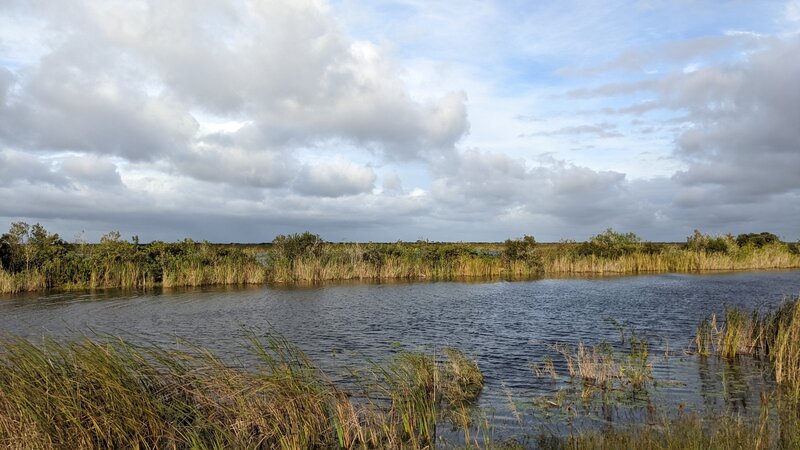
x,y
757,240
523,249
295,246
611,244
710,244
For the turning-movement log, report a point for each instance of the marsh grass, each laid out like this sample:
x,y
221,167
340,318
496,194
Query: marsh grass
x,y
600,367
685,432
773,336
108,393
49,262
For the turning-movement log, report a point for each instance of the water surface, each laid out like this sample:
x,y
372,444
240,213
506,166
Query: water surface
x,y
505,326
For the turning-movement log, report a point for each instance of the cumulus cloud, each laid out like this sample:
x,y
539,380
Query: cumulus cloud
x,y
90,169
495,185
744,142
131,80
269,117
337,179
738,143
236,165
20,166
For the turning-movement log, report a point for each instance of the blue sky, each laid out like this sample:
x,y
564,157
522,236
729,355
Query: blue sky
x,y
386,120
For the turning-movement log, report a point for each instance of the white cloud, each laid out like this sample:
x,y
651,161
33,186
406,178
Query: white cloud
x,y
336,179
398,119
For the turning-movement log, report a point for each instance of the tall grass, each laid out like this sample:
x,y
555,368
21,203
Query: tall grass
x,y
773,336
115,262
112,394
688,431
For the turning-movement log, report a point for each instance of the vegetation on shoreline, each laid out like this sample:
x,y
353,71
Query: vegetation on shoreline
x,y
108,393
31,258
113,394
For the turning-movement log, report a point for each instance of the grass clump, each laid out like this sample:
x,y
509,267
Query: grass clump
x,y
772,336
687,431
109,393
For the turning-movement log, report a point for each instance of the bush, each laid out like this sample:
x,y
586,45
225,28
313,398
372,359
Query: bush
x,y
611,244
523,249
296,246
711,244
757,240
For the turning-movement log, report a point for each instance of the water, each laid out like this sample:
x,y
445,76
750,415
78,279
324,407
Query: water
x,y
505,326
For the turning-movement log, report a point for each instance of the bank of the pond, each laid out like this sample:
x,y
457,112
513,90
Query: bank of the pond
x,y
37,260
106,392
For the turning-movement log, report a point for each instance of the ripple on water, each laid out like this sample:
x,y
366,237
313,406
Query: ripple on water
x,y
505,326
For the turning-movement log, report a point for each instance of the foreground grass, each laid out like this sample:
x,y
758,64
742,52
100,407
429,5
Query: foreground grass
x,y
109,393
772,336
112,394
690,432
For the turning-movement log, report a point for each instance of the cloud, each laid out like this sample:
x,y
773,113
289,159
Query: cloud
x,y
491,184
20,166
614,89
135,81
237,166
91,169
337,179
744,142
172,119
672,52
603,130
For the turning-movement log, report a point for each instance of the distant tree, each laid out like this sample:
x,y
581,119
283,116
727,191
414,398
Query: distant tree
x,y
711,244
610,244
757,240
295,246
522,249
16,252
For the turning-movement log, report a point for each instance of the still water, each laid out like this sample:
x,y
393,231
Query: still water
x,y
504,326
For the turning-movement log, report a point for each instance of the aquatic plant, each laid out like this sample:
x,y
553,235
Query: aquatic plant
x,y
34,259
109,393
773,336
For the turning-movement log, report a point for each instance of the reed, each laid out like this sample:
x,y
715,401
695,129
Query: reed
x,y
109,393
37,263
685,432
773,336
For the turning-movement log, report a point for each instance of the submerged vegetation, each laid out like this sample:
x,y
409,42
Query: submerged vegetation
x,y
31,258
108,393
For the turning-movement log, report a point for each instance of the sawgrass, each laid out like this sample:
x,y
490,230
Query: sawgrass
x,y
109,393
773,336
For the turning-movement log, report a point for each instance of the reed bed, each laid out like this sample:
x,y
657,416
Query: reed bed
x,y
48,262
773,336
109,393
689,431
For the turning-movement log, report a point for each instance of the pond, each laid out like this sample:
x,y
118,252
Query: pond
x,y
507,327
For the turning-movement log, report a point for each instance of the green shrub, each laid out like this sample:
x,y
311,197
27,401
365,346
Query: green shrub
x,y
711,244
610,244
295,246
757,240
523,249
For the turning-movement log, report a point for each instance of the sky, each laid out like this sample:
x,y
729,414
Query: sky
x,y
385,120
